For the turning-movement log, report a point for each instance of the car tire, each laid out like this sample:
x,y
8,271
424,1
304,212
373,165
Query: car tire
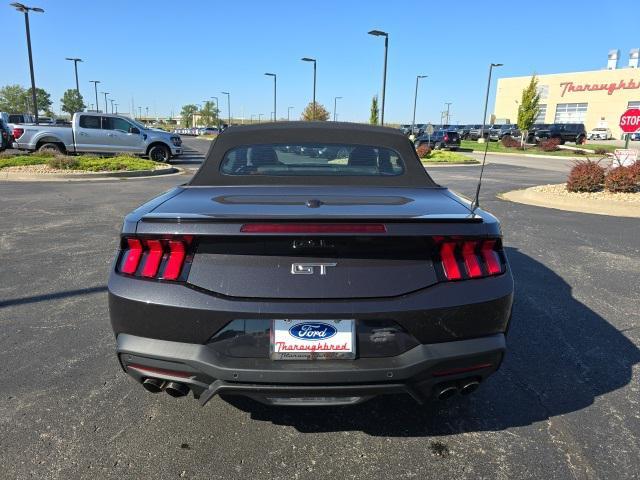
x,y
51,147
580,140
160,153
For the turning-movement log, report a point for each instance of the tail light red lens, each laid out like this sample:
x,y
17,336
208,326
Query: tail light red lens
x,y
446,138
462,259
313,228
17,132
162,259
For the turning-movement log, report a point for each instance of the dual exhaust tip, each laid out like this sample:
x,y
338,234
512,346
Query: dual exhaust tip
x,y
464,387
155,385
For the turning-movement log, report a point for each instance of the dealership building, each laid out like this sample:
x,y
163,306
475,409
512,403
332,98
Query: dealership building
x,y
596,98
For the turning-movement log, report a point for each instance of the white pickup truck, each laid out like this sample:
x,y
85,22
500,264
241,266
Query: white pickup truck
x,y
99,133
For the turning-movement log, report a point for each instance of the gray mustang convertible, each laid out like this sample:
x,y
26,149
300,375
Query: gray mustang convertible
x,y
310,263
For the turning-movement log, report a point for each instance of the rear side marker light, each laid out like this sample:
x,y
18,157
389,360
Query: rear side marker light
x,y
313,228
134,252
162,259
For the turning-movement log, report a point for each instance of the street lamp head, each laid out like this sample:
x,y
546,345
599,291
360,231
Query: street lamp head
x,y
378,33
94,81
307,59
270,74
225,93
23,8
423,76
74,59
497,64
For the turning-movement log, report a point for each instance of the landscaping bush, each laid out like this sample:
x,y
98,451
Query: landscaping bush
x,y
579,152
621,180
61,162
585,176
601,151
509,142
549,145
635,171
423,151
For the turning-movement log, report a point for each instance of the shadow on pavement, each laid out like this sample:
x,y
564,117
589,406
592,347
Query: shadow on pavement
x,y
561,356
51,296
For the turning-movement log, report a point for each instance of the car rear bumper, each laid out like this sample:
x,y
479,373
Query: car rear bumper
x,y
421,372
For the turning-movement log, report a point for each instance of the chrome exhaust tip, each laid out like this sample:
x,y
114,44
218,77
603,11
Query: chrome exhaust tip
x,y
153,385
446,391
176,389
469,387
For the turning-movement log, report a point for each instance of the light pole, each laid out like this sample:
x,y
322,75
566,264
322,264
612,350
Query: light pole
x,y
95,86
486,101
251,118
75,66
288,113
228,106
260,115
24,9
415,102
116,108
274,92
217,111
379,33
335,107
146,115
307,59
476,200
112,101
139,113
106,105
448,104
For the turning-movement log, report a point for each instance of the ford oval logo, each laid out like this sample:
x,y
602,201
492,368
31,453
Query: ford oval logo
x,y
313,331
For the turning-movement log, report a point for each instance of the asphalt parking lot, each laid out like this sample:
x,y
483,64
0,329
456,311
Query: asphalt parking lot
x,y
564,405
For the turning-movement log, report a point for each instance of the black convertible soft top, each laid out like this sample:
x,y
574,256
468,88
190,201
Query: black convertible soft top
x,y
312,132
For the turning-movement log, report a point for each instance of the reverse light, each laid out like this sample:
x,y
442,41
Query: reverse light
x,y
313,228
158,258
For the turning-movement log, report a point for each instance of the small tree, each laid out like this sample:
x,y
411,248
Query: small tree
x,y
72,102
12,99
187,114
373,117
529,108
209,113
319,113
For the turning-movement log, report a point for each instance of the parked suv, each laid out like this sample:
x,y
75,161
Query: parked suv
x,y
440,139
5,135
498,132
476,132
565,132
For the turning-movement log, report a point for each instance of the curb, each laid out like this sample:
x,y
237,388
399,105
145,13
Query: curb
x,y
89,176
530,155
528,196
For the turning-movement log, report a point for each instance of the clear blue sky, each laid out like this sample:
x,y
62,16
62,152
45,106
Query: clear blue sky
x,y
166,54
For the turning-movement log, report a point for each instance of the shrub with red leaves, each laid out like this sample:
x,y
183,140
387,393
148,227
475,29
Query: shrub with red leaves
x,y
549,145
423,150
635,171
585,176
621,180
509,142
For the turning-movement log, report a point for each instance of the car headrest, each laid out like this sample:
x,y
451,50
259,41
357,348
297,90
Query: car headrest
x,y
363,157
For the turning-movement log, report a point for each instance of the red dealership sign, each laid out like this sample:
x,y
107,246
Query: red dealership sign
x,y
630,120
570,87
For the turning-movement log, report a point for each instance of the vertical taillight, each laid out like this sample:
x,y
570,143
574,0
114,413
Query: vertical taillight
x,y
175,261
17,132
461,259
162,259
132,256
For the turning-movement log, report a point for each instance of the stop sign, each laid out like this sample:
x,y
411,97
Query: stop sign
x,y
630,120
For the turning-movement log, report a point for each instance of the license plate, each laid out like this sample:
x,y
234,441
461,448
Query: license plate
x,y
313,339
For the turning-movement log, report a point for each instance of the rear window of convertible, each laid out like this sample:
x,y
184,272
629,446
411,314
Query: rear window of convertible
x,y
312,160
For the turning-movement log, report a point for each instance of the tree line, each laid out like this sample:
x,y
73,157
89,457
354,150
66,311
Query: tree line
x,y
17,99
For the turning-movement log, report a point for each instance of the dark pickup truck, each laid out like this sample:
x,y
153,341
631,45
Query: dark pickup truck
x,y
564,132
